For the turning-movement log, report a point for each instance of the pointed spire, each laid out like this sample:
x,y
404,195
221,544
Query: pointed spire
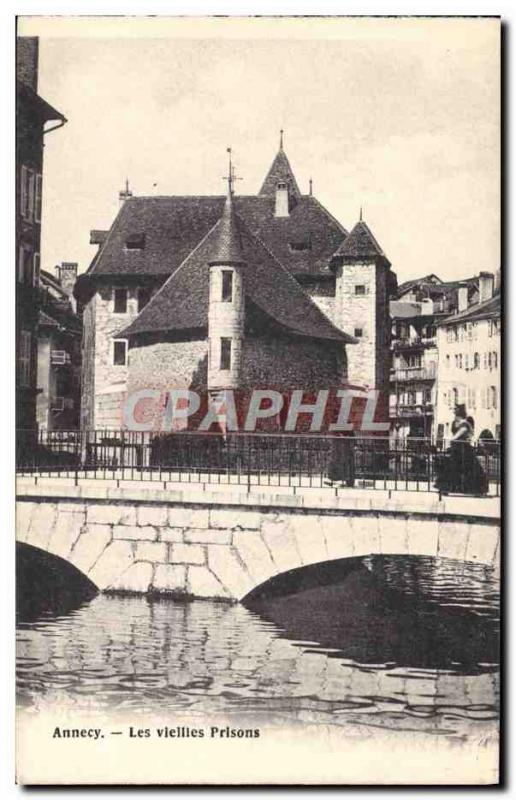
x,y
280,172
226,245
125,194
311,183
281,139
360,218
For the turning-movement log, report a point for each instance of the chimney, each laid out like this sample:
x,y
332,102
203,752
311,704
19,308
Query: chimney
x,y
27,48
281,200
462,298
485,286
66,273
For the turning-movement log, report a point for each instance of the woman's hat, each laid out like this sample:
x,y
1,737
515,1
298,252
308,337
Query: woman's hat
x,y
460,409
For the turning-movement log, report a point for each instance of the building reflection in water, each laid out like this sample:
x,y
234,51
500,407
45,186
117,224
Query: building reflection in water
x,y
401,638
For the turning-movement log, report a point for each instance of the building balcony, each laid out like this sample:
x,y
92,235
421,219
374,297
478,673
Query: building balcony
x,y
59,358
411,410
413,343
413,374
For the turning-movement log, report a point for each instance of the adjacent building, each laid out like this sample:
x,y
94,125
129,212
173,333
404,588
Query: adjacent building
x,y
59,351
431,369
32,115
469,344
214,292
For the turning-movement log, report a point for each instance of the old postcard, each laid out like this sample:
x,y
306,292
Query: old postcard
x,y
258,400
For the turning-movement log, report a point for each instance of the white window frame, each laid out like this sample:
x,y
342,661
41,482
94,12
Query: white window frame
x,y
27,193
24,357
125,342
36,263
21,265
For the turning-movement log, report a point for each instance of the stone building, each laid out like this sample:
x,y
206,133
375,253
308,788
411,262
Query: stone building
x,y
59,351
32,115
249,291
469,344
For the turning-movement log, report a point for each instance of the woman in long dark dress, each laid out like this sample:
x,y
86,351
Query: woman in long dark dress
x,y
459,469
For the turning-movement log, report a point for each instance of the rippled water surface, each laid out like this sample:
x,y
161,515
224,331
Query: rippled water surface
x,y
403,642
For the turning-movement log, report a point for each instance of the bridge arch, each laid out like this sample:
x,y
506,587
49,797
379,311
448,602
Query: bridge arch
x,y
219,548
46,583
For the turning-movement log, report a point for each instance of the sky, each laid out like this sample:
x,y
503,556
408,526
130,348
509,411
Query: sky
x,y
400,117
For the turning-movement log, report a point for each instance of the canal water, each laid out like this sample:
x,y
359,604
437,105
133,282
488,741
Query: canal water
x,y
408,643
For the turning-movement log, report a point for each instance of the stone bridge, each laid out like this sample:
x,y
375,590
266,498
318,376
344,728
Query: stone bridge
x,y
221,542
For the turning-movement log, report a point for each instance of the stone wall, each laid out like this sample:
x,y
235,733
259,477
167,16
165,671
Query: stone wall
x,y
222,545
169,364
292,362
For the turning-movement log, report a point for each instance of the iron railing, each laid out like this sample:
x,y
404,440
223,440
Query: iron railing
x,y
255,459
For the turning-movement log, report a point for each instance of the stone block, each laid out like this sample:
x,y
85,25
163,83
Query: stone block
x,y
423,536
135,533
156,552
338,535
137,578
188,517
23,517
229,570
111,514
170,534
453,539
114,560
65,533
235,518
254,553
157,516
282,543
482,543
169,579
207,536
309,534
394,537
187,554
367,534
91,543
43,519
203,583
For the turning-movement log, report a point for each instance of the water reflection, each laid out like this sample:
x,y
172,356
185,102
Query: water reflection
x,y
363,651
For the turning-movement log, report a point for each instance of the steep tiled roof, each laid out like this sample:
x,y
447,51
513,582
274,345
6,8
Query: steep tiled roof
x,y
360,244
489,308
174,226
182,302
280,170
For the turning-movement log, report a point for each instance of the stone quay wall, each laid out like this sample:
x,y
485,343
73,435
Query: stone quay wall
x,y
196,542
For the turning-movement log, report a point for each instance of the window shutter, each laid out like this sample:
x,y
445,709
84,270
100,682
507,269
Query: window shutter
x,y
23,192
37,206
30,194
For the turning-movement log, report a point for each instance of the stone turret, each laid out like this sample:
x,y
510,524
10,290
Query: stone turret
x,y
226,300
362,306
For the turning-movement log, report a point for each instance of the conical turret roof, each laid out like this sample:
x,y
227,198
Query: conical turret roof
x,y
359,244
280,170
225,240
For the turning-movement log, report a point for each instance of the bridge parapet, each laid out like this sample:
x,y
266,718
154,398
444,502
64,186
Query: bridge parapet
x,y
190,542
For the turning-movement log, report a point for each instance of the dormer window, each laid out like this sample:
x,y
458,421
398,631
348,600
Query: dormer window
x,y
282,185
135,241
300,246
